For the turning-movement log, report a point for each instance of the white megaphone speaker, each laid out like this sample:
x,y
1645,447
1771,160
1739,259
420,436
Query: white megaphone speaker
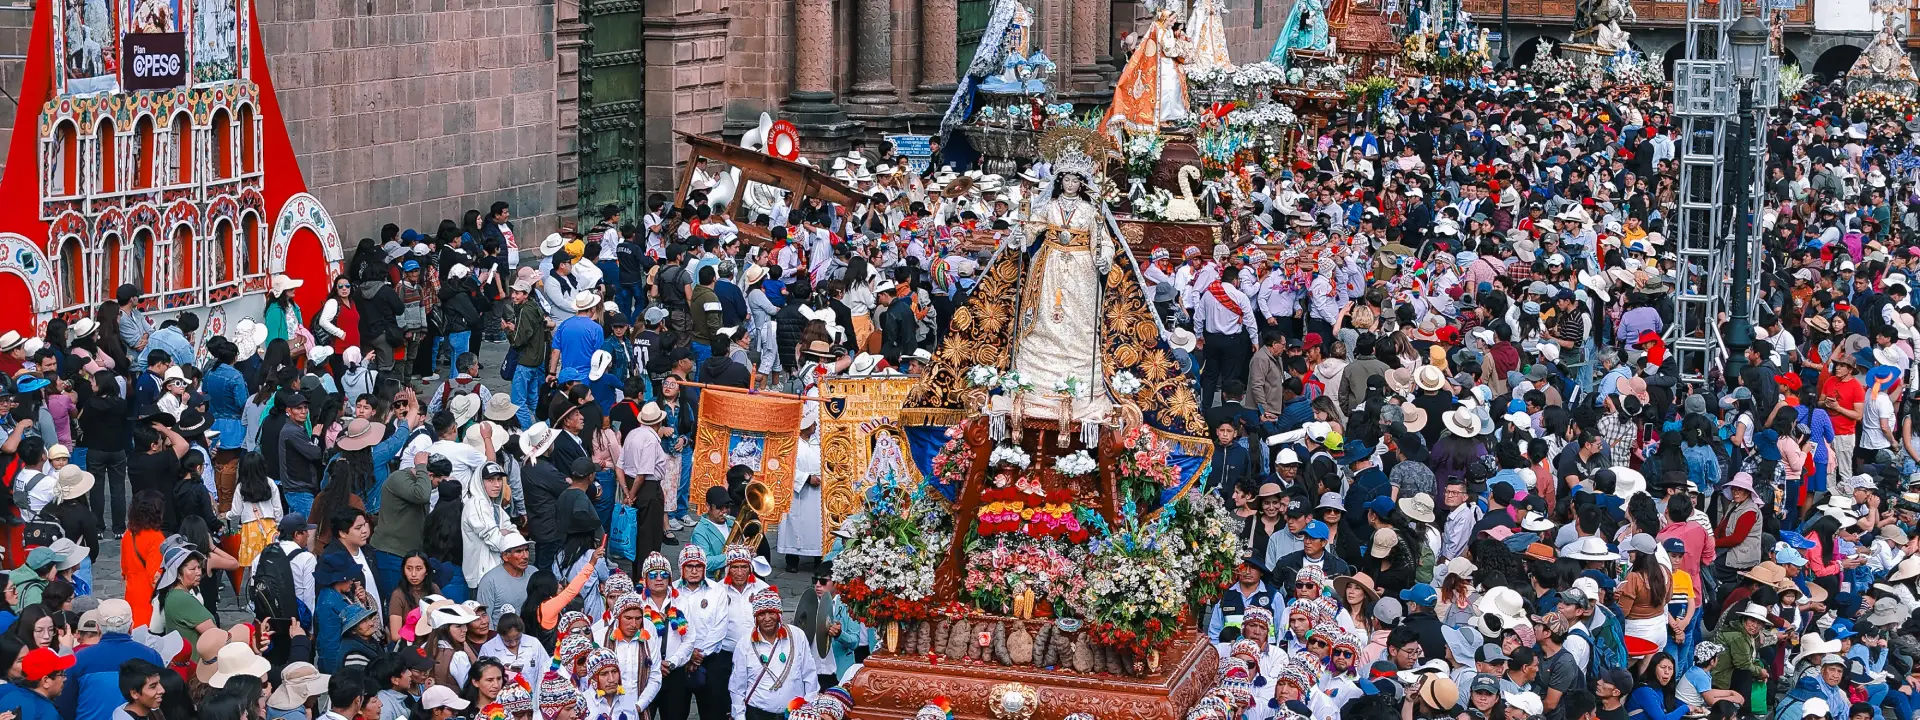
x,y
753,139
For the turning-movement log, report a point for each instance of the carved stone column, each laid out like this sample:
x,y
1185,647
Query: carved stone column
x,y
873,54
812,101
939,61
1086,76
1103,47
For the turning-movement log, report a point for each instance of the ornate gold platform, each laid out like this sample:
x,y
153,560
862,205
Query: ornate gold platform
x,y
892,687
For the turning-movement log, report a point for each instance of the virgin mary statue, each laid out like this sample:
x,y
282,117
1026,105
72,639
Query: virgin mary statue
x,y
1306,29
1058,323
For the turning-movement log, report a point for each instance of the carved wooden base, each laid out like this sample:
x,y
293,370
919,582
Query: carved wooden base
x,y
1143,236
893,687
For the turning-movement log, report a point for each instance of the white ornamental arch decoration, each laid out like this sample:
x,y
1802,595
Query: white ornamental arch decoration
x,y
303,211
21,257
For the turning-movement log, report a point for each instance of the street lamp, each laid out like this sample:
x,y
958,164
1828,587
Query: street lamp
x,y
1748,40
1506,31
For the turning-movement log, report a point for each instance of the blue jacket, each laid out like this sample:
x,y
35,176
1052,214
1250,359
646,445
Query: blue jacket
x,y
329,619
31,706
226,391
93,683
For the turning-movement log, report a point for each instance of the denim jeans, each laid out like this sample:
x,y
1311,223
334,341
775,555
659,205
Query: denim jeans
x,y
456,344
526,392
387,568
110,468
681,508
298,502
632,299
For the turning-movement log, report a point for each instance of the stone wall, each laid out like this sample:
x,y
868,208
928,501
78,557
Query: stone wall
x,y
1246,41
410,111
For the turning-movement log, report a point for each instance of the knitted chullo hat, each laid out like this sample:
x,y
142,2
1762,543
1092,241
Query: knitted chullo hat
x,y
557,693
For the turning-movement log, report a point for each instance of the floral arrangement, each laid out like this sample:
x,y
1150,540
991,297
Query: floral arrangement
x,y
1329,75
1010,454
1368,92
1881,102
1132,595
1792,81
1153,205
1141,152
1075,465
1012,383
1210,76
1549,69
1271,115
1070,387
1142,470
885,573
1124,383
1211,545
955,459
1257,74
983,376
1002,567
1021,511
1643,70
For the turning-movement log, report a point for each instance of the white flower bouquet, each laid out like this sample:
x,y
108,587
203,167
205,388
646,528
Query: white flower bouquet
x,y
1070,387
983,376
1075,465
1010,454
1124,383
1012,384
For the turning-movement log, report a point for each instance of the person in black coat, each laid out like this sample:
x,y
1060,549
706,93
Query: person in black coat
x,y
458,315
790,325
543,483
1289,564
380,309
899,329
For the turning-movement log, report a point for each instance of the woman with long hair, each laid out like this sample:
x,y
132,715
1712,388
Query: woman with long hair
x,y
444,540
140,553
107,316
226,390
348,477
416,583
177,598
40,627
543,586
283,317
248,691
485,679
256,508
1643,596
451,648
1654,699
337,323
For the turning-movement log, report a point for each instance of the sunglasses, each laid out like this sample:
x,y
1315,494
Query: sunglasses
x,y
822,581
1343,653
659,575
1316,643
1307,584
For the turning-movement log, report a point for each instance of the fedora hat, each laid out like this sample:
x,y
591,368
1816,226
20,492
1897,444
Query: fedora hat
x,y
299,682
1462,422
819,350
1589,549
361,434
864,364
1628,482
208,648
1360,580
597,367
1768,573
1181,339
756,273
652,414
82,328
552,243
584,301
1399,380
537,440
500,408
1429,378
74,482
236,659
1908,569
1499,609
1413,418
11,341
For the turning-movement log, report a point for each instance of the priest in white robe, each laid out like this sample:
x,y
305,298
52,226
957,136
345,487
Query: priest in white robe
x,y
801,530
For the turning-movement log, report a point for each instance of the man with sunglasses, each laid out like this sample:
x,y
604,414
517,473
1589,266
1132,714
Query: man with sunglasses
x,y
1250,590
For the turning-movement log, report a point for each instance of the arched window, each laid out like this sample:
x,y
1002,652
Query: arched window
x,y
143,153
66,151
183,258
247,149
139,263
220,259
250,251
109,170
182,149
222,144
73,273
111,264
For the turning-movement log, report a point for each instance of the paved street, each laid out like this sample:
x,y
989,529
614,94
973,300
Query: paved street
x,y
109,583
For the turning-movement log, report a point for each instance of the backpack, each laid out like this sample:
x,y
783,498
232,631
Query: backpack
x,y
1607,651
272,588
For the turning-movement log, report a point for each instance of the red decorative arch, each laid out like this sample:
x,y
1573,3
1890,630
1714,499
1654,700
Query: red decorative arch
x,y
70,223
112,221
179,213
143,216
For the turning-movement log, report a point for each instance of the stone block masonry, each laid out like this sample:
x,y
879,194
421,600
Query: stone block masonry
x,y
411,111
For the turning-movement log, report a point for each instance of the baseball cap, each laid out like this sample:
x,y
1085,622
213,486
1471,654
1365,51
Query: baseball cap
x,y
89,621
1490,653
1317,530
1420,594
41,662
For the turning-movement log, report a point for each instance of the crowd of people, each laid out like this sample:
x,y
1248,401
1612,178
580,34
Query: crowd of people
x,y
1473,481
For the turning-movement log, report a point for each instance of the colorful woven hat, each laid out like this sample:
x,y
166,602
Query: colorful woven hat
x,y
658,563
627,600
691,553
800,709
494,711
936,709
1229,663
516,697
833,703
600,659
1258,613
571,649
766,600
571,618
1246,649
1344,638
617,584
557,693
739,554
1312,573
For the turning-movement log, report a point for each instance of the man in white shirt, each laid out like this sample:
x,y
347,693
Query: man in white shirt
x,y
777,666
1222,317
295,533
710,641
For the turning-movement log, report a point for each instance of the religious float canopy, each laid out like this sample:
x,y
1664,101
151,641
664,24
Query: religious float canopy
x,y
157,159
